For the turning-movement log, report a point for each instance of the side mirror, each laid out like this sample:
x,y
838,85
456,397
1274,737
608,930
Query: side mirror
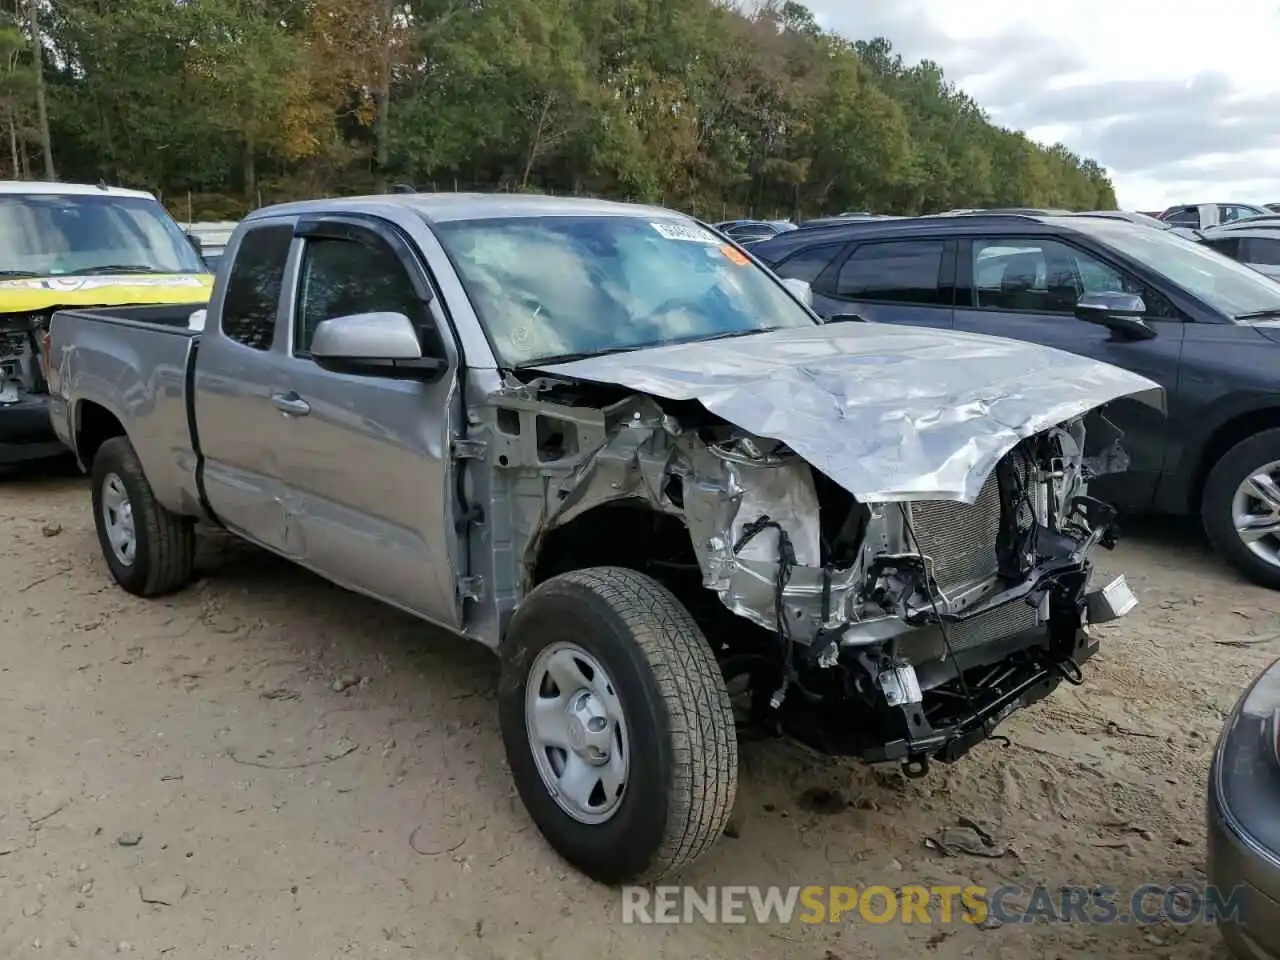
x,y
377,344
800,289
1121,313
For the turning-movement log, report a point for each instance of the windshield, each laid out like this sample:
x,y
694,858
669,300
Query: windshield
x,y
1228,286
557,287
51,235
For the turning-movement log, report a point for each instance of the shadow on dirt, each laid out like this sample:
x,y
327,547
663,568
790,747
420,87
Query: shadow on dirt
x,y
38,474
440,678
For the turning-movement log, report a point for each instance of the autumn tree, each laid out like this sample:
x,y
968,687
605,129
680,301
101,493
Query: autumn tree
x,y
713,107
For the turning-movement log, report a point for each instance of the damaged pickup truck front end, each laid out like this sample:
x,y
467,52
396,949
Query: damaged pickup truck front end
x,y
882,572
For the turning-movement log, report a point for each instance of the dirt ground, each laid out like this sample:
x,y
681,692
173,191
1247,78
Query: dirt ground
x,y
267,766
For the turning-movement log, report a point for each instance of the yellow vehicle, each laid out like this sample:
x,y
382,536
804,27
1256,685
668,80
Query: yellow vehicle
x,y
73,245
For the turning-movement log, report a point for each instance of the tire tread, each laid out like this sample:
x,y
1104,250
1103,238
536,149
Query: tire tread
x,y
170,539
703,785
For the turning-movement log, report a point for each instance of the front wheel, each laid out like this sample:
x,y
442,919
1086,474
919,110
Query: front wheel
x,y
1241,507
617,725
149,550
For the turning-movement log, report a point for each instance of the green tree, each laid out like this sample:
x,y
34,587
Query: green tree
x,y
699,104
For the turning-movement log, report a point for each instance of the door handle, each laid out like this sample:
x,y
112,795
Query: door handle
x,y
291,404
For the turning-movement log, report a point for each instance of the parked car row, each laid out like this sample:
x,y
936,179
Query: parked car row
x,y
210,238
1254,242
747,232
1200,216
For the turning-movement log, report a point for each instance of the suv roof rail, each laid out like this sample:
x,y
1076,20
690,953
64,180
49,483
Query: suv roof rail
x,y
940,217
978,214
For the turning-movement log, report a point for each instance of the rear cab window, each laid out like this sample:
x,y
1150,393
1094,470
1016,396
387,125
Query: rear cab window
x,y
252,298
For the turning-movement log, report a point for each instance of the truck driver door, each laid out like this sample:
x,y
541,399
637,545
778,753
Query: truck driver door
x,y
365,459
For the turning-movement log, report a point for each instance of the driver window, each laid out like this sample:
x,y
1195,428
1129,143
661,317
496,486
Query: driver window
x,y
342,277
1035,275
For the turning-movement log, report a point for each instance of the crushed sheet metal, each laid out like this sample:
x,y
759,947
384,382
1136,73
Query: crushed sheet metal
x,y
890,413
723,496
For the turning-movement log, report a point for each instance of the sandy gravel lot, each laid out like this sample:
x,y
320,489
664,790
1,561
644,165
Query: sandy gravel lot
x,y
267,766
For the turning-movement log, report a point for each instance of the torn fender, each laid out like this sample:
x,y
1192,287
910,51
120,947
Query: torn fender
x,y
890,413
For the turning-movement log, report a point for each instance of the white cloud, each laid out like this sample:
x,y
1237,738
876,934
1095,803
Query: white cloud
x,y
1176,100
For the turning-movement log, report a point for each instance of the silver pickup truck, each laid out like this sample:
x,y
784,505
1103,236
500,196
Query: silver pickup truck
x,y
605,442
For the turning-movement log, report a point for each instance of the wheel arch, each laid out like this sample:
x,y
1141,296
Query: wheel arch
x,y
93,424
620,533
1238,428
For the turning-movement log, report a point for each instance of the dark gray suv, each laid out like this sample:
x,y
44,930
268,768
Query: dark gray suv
x,y
1204,327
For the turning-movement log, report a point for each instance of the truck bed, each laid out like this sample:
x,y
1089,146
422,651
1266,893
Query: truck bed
x,y
130,364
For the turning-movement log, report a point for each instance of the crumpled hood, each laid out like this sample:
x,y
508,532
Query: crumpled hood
x,y
44,293
888,412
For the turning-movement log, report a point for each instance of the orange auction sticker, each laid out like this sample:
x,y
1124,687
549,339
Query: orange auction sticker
x,y
735,255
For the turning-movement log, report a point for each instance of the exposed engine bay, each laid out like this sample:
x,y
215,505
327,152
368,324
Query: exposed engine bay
x,y
21,374
895,630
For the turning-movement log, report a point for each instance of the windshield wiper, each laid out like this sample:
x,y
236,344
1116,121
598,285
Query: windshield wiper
x,y
630,348
1258,314
17,274
725,336
112,268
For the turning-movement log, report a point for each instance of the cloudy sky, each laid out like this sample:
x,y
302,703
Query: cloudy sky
x,y
1179,101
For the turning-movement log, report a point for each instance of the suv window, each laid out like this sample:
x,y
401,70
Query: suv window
x,y
1227,246
901,271
1233,211
253,288
342,277
808,263
1035,275
1261,250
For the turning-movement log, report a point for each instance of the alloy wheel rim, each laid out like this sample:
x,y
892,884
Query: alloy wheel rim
x,y
1255,512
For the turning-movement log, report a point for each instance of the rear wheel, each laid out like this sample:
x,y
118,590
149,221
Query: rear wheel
x,y
149,550
617,725
1241,507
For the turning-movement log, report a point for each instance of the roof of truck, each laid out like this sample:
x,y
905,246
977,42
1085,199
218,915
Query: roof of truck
x,y
471,206
47,187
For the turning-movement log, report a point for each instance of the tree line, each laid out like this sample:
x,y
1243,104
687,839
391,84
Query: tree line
x,y
697,104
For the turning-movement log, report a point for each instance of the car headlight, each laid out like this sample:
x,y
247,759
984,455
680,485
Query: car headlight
x,y
1246,769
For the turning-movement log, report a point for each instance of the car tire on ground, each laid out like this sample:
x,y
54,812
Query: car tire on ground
x,y
1222,503
617,725
149,550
